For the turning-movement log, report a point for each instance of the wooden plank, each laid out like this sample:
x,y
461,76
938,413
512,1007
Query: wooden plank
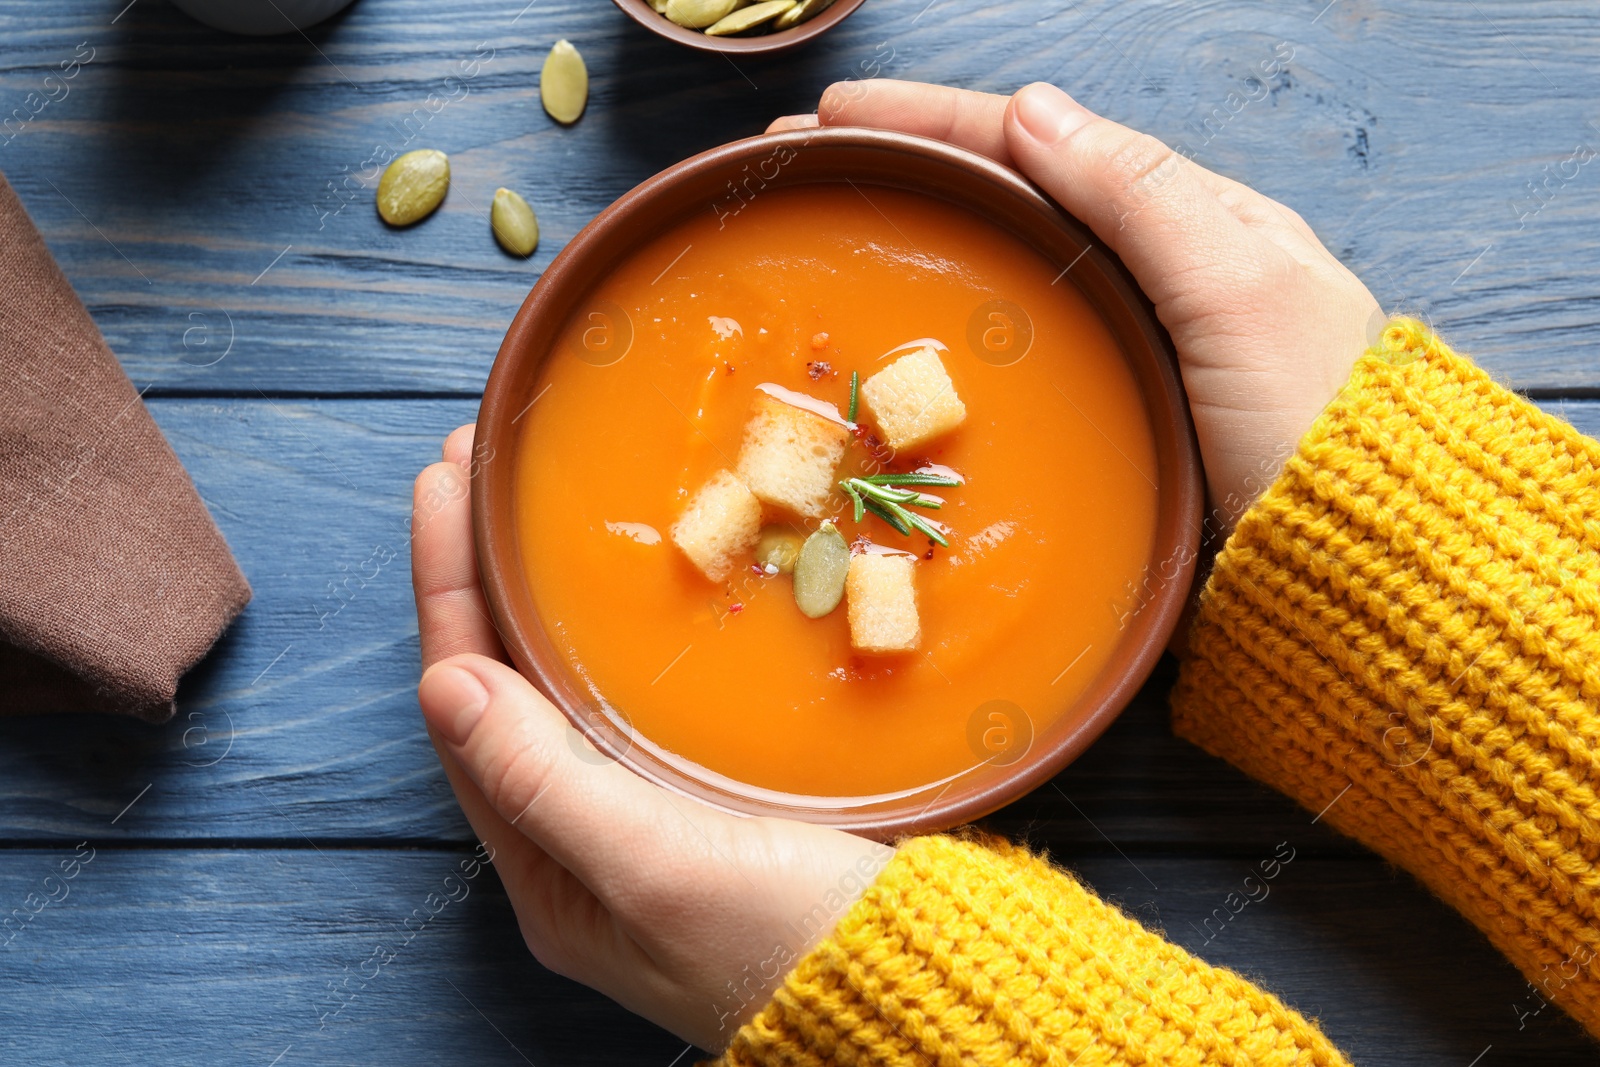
x,y
256,955
184,179
303,723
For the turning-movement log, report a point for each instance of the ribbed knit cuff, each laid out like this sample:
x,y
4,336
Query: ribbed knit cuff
x,y
976,951
1402,635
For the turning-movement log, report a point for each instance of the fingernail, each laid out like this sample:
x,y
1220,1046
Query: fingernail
x,y
1049,115
452,701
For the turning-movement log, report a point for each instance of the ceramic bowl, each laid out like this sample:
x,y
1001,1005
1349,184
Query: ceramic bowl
x,y
641,12
865,157
260,18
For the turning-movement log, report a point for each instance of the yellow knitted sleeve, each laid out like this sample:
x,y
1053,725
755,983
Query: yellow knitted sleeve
x,y
1402,634
968,951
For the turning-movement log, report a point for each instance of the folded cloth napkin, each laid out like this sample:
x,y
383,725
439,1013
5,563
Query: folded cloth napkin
x,y
113,579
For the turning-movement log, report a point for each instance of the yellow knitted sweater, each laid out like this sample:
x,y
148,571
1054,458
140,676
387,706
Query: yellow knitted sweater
x,y
1402,631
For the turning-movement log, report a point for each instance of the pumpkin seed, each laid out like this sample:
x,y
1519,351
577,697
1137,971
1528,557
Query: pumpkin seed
x,y
413,186
820,571
564,83
748,18
778,548
800,12
514,224
698,14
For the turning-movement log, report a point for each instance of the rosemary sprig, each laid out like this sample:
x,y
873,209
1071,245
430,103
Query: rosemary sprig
x,y
855,394
883,495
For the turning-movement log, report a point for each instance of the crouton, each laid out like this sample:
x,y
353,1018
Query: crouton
x,y
721,523
882,599
913,400
789,455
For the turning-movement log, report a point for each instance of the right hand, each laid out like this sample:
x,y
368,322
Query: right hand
x,y
1267,323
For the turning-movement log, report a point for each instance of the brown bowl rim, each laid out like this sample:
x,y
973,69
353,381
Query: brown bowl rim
x,y
641,12
1179,502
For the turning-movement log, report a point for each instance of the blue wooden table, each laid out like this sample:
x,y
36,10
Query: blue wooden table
x,y
266,880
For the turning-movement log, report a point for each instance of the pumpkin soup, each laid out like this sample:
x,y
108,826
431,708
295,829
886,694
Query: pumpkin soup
x,y
806,491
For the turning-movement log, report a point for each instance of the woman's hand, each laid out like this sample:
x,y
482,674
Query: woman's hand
x,y
680,913
1266,322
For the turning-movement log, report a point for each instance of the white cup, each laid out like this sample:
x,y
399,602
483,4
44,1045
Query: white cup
x,y
261,17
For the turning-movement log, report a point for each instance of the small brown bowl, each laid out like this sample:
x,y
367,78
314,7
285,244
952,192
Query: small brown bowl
x,y
865,157
641,12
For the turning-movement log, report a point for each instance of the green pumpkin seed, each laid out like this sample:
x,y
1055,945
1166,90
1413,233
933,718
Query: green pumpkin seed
x,y
514,224
413,186
800,12
698,14
564,83
778,548
820,571
748,18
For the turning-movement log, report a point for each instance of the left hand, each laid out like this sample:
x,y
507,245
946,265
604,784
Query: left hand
x,y
683,914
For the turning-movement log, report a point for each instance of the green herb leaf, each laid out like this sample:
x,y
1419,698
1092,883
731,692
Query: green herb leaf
x,y
855,498
889,516
910,478
929,530
855,394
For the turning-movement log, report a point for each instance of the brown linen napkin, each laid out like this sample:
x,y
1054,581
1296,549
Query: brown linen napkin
x,y
113,578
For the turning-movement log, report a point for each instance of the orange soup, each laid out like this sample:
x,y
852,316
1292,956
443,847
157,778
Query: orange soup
x,y
649,396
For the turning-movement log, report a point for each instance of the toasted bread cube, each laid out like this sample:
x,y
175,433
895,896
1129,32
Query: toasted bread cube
x,y
789,455
913,400
721,523
883,603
